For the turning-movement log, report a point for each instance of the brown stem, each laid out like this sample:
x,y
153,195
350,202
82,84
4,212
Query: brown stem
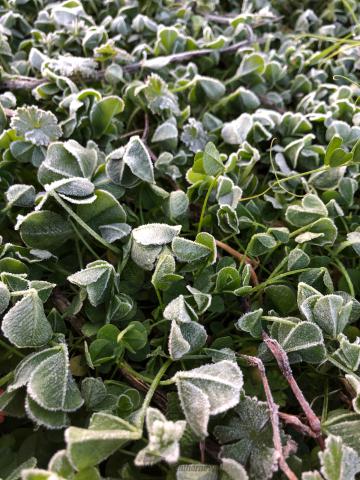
x,y
297,424
19,82
146,127
242,258
284,365
274,416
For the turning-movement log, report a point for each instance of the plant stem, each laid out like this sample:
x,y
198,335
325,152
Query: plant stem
x,y
84,225
203,210
152,389
6,378
274,416
343,270
11,349
284,365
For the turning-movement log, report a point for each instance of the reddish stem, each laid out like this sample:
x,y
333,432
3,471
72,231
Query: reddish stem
x,y
284,365
274,416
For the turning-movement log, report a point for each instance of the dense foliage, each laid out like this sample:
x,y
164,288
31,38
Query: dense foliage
x,y
180,239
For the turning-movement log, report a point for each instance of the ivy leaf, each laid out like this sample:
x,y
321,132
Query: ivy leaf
x,y
36,125
164,437
208,390
246,436
106,433
96,278
25,324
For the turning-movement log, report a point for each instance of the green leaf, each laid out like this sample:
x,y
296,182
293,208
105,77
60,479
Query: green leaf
x,y
106,433
25,324
105,210
211,160
334,144
246,436
208,390
36,125
137,158
51,385
96,278
155,234
164,437
103,112
45,230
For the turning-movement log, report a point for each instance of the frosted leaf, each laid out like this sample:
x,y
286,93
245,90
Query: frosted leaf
x,y
251,322
354,239
35,125
179,310
145,256
4,297
80,188
338,462
310,209
348,353
305,291
164,437
236,131
60,464
158,96
246,436
208,390
67,160
106,433
67,66
177,204
155,233
137,158
39,474
355,386
232,470
164,274
332,314
201,299
188,251
194,136
115,231
20,195
185,337
51,385
25,324
93,391
298,259
25,368
96,278
49,419
304,339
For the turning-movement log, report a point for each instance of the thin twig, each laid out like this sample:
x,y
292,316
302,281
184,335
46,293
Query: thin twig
x,y
242,258
146,128
297,424
284,365
19,82
274,416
